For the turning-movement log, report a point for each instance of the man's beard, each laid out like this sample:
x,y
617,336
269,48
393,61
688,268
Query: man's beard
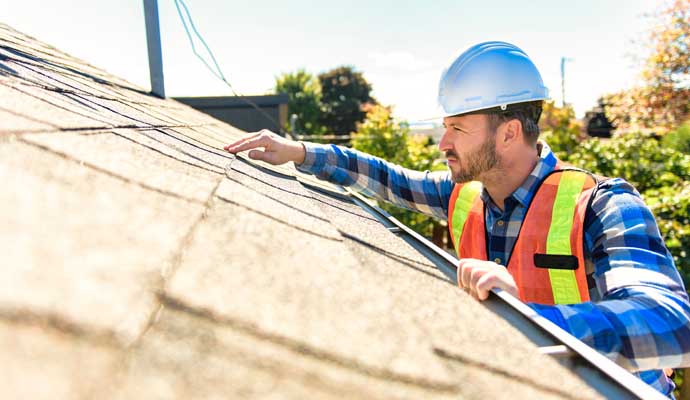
x,y
477,163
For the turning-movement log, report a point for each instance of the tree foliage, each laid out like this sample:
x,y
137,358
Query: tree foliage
x,y
669,61
663,100
679,139
344,96
304,99
382,136
560,128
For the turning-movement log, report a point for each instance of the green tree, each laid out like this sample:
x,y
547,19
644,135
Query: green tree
x,y
663,100
344,96
304,99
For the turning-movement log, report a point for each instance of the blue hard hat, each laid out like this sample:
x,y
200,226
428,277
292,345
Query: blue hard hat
x,y
488,75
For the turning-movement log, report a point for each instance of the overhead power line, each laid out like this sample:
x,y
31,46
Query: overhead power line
x,y
217,71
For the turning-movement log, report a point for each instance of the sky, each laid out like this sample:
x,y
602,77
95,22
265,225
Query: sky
x,y
401,47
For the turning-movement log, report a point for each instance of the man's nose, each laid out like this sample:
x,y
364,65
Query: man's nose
x,y
445,143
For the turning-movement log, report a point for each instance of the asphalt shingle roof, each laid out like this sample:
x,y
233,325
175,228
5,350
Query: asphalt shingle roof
x,y
140,260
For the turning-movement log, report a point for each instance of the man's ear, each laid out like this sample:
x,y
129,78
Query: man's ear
x,y
512,132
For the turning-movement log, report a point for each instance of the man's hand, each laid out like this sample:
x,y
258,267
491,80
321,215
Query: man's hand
x,y
276,150
478,277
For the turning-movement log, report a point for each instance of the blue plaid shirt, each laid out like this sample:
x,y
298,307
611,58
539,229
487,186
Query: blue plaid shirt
x,y
639,315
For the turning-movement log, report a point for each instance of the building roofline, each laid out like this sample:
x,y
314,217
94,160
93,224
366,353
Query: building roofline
x,y
273,100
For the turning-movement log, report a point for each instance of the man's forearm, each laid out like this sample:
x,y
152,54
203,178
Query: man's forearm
x,y
641,328
420,191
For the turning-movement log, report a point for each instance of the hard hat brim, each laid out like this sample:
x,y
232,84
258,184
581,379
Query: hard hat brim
x,y
483,110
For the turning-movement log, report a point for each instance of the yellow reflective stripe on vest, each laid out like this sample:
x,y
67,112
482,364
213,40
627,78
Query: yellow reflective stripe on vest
x,y
463,204
563,281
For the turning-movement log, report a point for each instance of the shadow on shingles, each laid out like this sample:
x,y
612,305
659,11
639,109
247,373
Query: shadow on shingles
x,y
75,89
97,92
212,137
79,99
340,197
198,145
171,156
276,200
76,98
499,371
69,69
5,69
121,114
305,195
148,109
401,259
233,159
45,85
273,218
142,130
59,106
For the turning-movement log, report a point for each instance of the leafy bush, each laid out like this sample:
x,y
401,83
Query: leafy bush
x,y
679,139
638,157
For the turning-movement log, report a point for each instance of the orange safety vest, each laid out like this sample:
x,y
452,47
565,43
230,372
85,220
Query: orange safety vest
x,y
547,261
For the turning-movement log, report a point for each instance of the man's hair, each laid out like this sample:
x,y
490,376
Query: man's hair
x,y
527,113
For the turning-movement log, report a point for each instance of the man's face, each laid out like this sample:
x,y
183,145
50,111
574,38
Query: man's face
x,y
469,147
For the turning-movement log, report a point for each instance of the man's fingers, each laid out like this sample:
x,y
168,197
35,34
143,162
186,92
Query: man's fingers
x,y
496,278
242,140
464,271
461,283
258,141
485,284
478,277
475,275
465,267
270,157
257,155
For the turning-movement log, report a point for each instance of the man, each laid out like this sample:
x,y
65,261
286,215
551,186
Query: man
x,y
583,251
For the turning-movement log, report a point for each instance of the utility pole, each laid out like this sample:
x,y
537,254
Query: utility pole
x,y
153,42
563,61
